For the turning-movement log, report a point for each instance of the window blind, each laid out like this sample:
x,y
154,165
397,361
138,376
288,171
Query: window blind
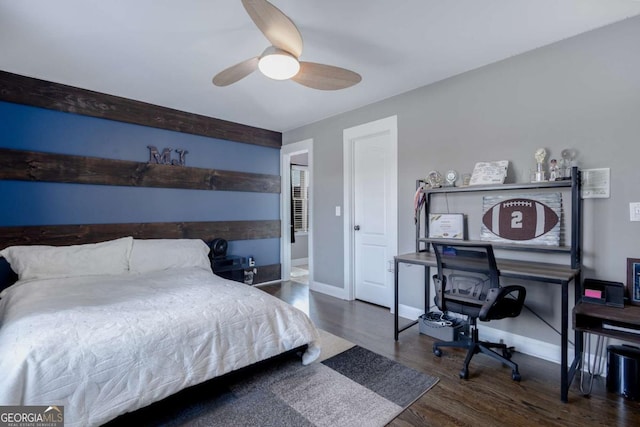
x,y
300,198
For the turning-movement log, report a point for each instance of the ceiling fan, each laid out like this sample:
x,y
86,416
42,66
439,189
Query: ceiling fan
x,y
280,60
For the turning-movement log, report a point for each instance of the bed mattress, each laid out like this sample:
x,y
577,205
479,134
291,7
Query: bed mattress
x,y
105,345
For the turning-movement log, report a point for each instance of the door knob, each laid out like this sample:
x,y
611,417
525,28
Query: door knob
x,y
357,227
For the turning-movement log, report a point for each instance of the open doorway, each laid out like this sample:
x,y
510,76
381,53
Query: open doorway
x,y
297,240
299,166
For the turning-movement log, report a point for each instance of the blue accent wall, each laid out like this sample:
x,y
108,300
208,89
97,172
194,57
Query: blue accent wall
x,y
37,203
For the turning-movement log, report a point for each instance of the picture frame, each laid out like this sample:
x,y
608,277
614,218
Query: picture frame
x,y
633,280
446,226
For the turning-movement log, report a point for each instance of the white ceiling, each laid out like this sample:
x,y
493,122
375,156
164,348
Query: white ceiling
x,y
165,52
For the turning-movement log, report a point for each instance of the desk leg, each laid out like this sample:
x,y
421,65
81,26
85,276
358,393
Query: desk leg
x,y
564,374
578,340
395,300
427,286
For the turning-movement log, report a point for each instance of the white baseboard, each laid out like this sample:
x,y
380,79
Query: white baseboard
x,y
531,346
409,312
299,261
333,291
271,282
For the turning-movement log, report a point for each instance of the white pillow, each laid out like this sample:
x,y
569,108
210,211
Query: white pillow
x,y
42,262
162,254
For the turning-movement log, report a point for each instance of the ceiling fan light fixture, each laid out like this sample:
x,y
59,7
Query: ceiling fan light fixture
x,y
278,64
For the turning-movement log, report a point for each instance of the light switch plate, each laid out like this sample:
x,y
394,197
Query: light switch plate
x,y
338,211
634,211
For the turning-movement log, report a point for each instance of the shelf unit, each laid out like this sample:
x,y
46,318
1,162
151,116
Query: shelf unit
x,y
558,274
575,243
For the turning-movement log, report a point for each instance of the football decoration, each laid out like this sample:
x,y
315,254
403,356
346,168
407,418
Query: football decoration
x,y
524,220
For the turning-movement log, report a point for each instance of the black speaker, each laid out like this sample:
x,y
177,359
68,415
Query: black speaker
x,y
218,248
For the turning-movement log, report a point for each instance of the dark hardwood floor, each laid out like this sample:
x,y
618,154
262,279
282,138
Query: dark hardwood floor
x,y
488,398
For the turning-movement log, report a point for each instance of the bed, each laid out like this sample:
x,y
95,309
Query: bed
x,y
108,328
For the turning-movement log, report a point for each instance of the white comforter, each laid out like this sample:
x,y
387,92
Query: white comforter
x,y
105,345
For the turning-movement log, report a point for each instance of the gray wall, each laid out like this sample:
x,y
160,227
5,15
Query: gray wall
x,y
581,93
300,249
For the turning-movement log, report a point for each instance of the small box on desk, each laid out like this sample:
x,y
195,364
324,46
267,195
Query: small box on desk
x,y
443,328
603,292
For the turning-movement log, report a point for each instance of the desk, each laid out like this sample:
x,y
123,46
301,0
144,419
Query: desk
x,y
614,322
522,270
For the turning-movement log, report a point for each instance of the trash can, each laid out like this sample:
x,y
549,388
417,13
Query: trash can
x,y
623,370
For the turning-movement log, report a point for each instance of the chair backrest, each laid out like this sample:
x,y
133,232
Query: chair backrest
x,y
466,272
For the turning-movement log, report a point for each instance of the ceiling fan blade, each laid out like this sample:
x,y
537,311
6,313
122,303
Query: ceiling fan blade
x,y
275,25
236,72
325,77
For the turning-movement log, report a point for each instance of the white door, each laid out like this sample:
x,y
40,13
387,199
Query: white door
x,y
374,213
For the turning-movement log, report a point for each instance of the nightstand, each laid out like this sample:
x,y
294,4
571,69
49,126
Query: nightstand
x,y
234,268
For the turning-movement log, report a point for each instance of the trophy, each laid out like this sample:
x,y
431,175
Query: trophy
x,y
434,179
451,177
555,173
539,174
567,162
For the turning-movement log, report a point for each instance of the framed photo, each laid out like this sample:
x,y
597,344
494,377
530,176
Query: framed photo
x,y
446,226
633,280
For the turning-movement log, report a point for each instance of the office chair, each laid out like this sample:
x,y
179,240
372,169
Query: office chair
x,y
467,283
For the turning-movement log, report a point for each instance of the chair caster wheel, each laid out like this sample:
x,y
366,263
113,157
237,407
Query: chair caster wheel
x,y
464,374
506,353
516,376
437,352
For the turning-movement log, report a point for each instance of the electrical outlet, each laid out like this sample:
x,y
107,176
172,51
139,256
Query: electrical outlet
x,y
634,211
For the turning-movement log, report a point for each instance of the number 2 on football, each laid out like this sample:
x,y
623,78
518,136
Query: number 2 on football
x,y
516,219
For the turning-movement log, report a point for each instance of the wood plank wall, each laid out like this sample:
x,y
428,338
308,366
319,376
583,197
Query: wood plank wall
x,y
54,96
36,166
76,234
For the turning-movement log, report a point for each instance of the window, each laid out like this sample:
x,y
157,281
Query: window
x,y
300,198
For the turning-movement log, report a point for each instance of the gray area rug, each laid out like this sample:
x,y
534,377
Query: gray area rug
x,y
353,388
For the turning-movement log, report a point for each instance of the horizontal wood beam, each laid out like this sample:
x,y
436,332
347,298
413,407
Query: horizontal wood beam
x,y
60,235
55,96
37,166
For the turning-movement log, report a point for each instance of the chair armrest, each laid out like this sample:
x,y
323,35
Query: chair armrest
x,y
440,286
498,305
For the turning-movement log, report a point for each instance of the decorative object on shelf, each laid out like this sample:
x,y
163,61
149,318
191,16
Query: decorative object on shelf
x,y
533,219
466,179
446,226
555,173
539,174
164,157
633,280
485,173
434,179
568,161
450,178
596,183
